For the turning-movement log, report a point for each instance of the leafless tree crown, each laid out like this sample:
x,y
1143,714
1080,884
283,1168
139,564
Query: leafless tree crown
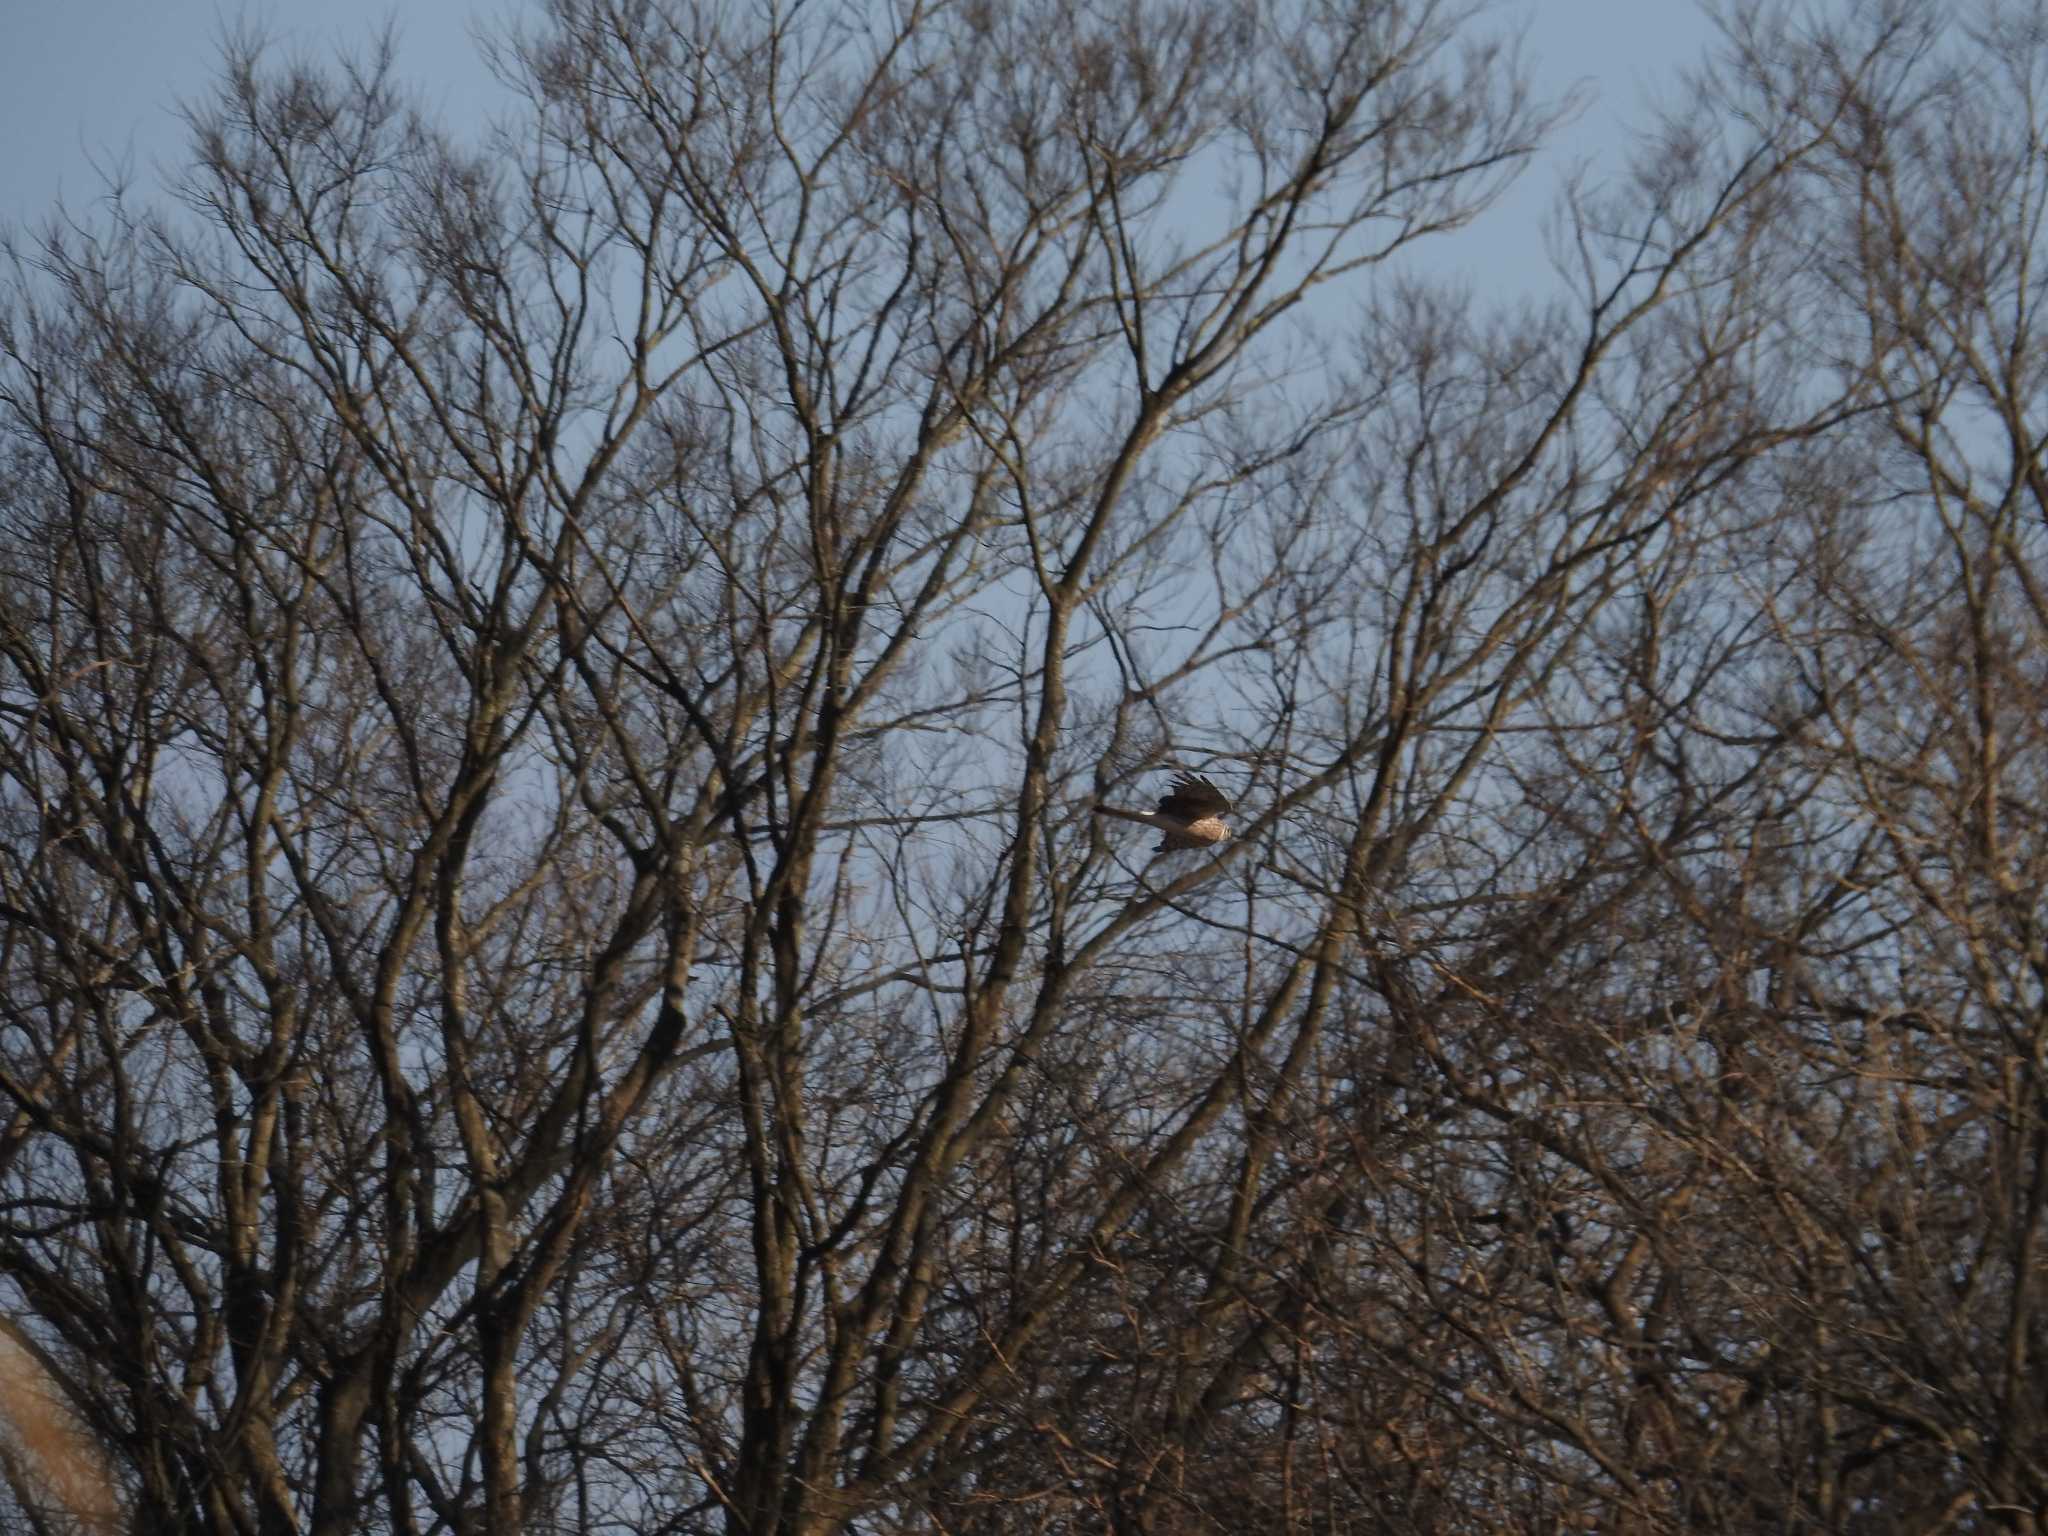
x,y
557,970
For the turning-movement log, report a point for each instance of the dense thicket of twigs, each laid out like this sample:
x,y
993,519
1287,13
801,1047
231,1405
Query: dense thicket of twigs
x,y
558,973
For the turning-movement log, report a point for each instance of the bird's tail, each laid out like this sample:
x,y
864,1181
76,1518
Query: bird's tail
x,y
1143,818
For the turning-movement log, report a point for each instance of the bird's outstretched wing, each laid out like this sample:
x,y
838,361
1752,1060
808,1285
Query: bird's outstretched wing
x,y
1192,798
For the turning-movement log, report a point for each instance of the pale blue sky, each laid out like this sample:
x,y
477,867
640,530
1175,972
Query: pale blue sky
x,y
88,80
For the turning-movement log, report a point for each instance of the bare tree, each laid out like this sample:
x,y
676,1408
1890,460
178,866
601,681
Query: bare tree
x,y
559,970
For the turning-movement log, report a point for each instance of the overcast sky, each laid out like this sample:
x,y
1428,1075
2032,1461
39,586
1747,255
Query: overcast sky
x,y
88,81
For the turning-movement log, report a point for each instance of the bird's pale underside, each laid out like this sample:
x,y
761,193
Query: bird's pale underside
x,y
1190,814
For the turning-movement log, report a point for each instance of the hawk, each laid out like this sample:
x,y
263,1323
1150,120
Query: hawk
x,y
1190,814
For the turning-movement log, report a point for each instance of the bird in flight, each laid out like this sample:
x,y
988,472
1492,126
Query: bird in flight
x,y
1190,814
